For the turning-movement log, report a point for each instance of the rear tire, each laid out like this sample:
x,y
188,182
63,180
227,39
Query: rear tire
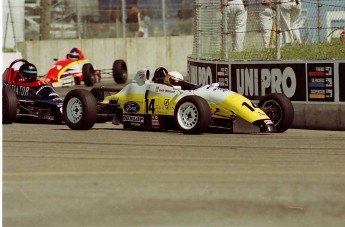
x,y
88,74
192,115
9,105
279,109
120,73
80,109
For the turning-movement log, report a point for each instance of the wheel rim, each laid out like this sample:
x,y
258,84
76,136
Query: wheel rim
x,y
187,115
74,110
273,111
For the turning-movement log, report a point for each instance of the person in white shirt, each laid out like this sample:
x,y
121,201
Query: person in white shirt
x,y
267,12
290,20
237,14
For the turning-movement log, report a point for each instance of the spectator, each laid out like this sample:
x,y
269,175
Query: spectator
x,y
267,22
290,20
146,24
237,13
184,22
132,20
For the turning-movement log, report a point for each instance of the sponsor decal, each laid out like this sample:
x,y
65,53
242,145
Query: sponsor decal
x,y
134,119
268,122
163,109
164,90
131,107
154,120
19,90
46,91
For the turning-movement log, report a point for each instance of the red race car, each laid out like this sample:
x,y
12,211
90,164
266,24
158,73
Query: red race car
x,y
76,69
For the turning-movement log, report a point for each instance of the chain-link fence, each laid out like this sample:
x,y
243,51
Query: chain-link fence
x,y
269,30
111,18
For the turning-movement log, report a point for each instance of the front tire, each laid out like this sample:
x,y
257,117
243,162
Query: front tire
x,y
88,75
192,115
9,105
80,109
120,73
279,109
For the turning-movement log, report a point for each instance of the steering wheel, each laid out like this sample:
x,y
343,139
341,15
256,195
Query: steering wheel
x,y
158,76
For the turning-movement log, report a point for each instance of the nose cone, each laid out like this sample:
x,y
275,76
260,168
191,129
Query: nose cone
x,y
266,126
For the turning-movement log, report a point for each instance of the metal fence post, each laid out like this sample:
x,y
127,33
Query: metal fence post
x,y
164,18
319,24
197,8
278,31
78,20
224,29
123,8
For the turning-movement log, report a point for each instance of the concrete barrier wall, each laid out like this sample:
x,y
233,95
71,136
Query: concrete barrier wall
x,y
169,52
326,116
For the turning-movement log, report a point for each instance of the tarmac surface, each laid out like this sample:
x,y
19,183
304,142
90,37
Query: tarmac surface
x,y
108,176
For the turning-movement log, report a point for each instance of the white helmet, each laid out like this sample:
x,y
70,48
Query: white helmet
x,y
172,78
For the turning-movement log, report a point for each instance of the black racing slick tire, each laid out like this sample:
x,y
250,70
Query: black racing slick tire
x,y
88,75
120,73
279,109
192,115
9,105
80,109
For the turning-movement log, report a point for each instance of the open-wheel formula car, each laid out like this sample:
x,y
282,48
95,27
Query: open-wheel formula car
x,y
148,104
26,98
76,69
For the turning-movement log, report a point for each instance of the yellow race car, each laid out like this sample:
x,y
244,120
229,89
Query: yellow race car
x,y
154,103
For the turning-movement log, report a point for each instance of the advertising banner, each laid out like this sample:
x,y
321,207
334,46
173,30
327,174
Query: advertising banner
x,y
257,80
317,81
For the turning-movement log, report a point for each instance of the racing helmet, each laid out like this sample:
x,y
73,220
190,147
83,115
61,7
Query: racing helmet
x,y
28,71
173,78
73,55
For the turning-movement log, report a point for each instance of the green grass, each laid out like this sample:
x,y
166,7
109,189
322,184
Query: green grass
x,y
334,50
320,51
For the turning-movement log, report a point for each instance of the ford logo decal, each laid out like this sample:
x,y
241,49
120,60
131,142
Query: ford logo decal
x,y
131,107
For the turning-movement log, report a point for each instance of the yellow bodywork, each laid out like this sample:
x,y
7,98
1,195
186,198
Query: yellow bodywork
x,y
243,107
221,107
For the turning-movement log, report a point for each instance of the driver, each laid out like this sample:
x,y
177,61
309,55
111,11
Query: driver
x,y
27,73
173,78
75,54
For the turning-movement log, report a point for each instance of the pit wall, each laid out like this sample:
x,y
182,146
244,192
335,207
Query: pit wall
x,y
316,88
139,53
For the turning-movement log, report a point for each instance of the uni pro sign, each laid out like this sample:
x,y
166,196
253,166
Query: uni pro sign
x,y
253,80
257,80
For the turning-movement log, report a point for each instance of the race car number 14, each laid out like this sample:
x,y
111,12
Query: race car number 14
x,y
150,107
